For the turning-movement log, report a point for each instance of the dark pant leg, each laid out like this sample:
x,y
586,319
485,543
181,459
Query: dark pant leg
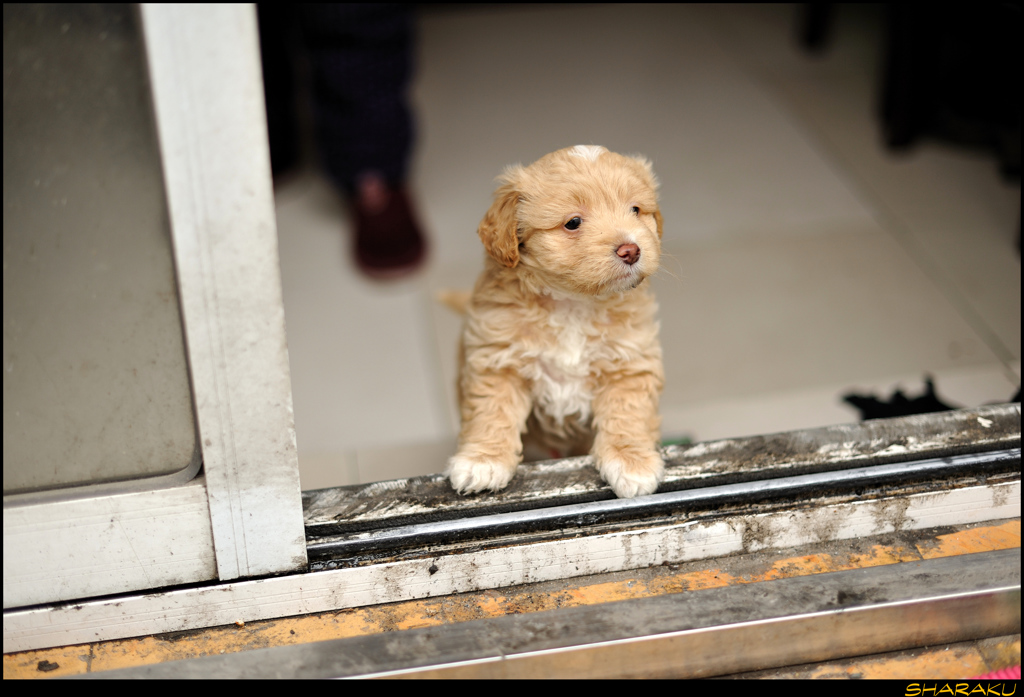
x,y
361,59
277,46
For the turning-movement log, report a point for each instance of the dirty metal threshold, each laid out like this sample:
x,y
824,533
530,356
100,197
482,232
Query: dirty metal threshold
x,y
415,538
694,634
330,551
429,499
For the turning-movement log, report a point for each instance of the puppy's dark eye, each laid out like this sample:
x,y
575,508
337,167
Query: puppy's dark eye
x,y
636,210
574,223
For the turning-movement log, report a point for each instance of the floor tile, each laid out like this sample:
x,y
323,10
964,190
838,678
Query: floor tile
x,y
361,360
791,313
822,405
947,206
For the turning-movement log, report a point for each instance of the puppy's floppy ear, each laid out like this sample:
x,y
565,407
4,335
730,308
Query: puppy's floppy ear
x,y
499,230
652,181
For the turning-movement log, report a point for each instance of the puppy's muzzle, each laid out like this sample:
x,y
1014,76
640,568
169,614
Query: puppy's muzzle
x,y
629,253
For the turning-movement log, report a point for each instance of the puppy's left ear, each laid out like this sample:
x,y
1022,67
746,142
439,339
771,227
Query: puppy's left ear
x,y
652,181
499,230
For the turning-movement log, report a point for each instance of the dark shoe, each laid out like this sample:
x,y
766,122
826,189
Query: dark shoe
x,y
389,243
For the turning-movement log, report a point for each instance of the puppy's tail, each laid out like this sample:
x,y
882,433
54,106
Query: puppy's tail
x,y
457,300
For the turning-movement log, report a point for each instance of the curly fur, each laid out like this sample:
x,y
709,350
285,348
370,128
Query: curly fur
x,y
560,339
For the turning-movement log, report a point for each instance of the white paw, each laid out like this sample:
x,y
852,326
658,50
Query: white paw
x,y
636,479
468,476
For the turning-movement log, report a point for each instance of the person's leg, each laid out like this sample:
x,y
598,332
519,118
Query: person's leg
x,y
361,59
275,25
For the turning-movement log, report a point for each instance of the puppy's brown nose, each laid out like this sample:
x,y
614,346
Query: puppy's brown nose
x,y
629,253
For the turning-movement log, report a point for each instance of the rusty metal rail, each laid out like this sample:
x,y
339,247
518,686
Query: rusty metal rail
x,y
694,634
573,519
430,499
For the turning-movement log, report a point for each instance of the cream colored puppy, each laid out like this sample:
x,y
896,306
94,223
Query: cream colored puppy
x,y
560,338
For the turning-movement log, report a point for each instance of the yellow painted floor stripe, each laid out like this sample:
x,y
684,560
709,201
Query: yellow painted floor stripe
x,y
109,655
1003,536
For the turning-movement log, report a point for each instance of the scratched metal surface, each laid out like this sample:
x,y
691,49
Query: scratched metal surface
x,y
739,499
914,604
574,480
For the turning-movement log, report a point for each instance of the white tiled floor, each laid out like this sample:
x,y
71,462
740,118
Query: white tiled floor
x,y
802,259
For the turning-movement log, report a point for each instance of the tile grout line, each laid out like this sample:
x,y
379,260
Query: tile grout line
x,y
895,227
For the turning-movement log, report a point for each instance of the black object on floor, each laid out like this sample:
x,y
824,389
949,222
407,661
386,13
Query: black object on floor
x,y
871,407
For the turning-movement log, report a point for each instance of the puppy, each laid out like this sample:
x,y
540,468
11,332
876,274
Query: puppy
x,y
560,340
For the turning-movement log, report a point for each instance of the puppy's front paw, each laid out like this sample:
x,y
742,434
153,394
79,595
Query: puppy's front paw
x,y
633,474
469,476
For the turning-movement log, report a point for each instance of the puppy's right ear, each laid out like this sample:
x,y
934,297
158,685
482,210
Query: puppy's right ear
x,y
499,230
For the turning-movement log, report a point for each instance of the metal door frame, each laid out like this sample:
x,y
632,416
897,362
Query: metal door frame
x,y
242,516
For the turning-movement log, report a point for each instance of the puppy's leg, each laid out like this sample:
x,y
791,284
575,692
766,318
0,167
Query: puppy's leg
x,y
626,443
494,410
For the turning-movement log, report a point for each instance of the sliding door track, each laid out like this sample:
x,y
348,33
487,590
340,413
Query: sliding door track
x,y
576,519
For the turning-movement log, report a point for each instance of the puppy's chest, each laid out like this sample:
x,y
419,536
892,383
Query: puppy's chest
x,y
560,361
